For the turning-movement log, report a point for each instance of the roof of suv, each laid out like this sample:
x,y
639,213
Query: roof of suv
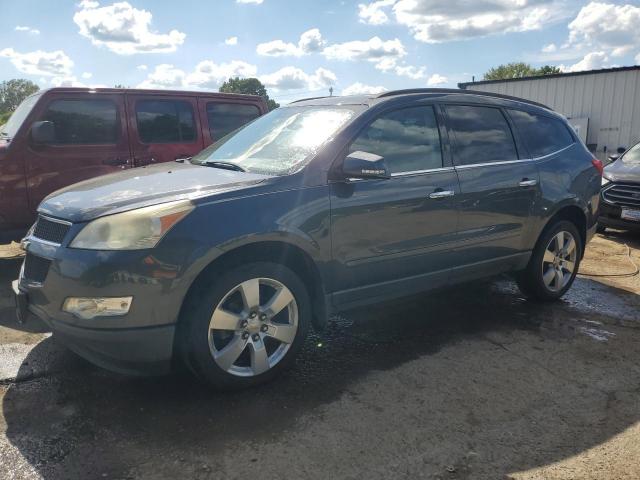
x,y
371,99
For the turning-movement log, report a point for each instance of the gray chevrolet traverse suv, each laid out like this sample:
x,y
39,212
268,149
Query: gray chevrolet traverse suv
x,y
223,262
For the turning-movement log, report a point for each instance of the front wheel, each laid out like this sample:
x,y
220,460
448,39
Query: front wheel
x,y
247,325
554,263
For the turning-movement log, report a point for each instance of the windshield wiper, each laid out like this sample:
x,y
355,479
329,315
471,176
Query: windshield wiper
x,y
225,166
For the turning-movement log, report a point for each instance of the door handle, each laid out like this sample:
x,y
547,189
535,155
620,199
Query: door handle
x,y
442,194
115,161
525,182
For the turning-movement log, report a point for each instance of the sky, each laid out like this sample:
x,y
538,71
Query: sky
x,y
304,48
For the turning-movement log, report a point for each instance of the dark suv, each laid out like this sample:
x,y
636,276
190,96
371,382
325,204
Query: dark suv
x,y
224,261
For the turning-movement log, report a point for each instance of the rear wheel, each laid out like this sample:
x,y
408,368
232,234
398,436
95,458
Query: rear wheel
x,y
554,263
247,326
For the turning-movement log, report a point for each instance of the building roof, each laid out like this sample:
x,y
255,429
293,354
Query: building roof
x,y
465,85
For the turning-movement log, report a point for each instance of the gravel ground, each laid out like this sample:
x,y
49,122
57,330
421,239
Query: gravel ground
x,y
470,383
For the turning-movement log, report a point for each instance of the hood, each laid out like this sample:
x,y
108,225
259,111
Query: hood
x,y
141,187
621,171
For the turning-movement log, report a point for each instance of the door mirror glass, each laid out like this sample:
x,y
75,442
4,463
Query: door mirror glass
x,y
43,132
364,165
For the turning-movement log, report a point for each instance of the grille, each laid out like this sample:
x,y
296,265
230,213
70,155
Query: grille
x,y
50,231
625,195
36,268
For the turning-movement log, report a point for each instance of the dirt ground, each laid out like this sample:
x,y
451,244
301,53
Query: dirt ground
x,y
471,383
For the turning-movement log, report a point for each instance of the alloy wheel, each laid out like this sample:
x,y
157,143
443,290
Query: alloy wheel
x,y
253,327
559,261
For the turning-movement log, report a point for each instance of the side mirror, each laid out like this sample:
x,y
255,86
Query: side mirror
x,y
365,165
43,132
613,157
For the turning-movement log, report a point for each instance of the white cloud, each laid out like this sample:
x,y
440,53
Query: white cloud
x,y
87,75
206,75
309,42
55,63
436,21
255,2
436,79
411,71
606,27
123,29
550,48
293,78
142,67
231,41
384,54
591,61
29,30
637,59
164,76
361,89
373,13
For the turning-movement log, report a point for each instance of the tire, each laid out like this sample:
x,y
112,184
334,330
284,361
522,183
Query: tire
x,y
262,342
540,280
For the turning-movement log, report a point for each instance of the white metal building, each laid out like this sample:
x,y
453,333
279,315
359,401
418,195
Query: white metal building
x,y
602,105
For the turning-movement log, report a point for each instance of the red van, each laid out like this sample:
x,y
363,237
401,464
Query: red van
x,y
61,136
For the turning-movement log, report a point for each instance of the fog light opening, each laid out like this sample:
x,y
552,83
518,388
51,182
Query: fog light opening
x,y
88,308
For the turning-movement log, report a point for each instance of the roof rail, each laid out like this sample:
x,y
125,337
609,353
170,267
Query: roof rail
x,y
309,98
459,91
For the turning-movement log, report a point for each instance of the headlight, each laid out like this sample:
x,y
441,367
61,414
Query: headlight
x,y
133,230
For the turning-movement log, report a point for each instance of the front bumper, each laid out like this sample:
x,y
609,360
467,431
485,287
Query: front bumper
x,y
140,342
610,217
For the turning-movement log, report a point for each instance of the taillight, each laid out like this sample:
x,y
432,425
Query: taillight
x,y
598,165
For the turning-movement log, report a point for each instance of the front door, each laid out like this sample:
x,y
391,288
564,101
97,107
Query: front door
x,y
90,140
498,186
163,128
392,237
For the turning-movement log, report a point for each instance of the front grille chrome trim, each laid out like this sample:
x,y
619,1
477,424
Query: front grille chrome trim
x,y
622,194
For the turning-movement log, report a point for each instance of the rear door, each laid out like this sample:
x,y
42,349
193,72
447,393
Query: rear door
x,y
498,185
394,237
221,117
163,128
91,139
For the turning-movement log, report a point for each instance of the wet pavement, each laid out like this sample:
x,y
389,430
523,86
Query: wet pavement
x,y
470,383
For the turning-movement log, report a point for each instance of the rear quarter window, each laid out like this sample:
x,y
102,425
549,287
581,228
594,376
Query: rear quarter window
x,y
542,135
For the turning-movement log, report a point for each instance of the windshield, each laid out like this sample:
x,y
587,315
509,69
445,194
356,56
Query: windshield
x,y
633,155
10,128
280,142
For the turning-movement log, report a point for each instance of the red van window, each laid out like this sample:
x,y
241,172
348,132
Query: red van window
x,y
165,121
86,122
224,118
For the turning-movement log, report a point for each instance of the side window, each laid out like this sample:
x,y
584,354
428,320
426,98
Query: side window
x,y
482,135
543,135
165,121
224,118
408,139
83,122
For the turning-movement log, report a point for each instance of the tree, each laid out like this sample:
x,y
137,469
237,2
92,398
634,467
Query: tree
x,y
248,86
548,70
518,70
13,92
